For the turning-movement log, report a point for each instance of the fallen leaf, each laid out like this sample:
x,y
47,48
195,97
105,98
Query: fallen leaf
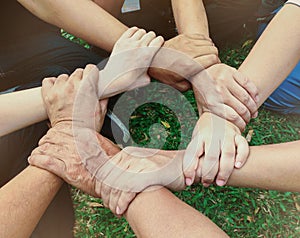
x,y
95,204
165,124
249,135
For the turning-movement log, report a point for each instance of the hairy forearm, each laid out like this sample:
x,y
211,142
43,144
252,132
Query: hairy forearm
x,y
190,17
83,18
274,167
21,109
276,53
24,200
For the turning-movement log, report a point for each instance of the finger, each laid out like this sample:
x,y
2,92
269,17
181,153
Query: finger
x,y
199,170
48,163
244,96
157,42
207,61
103,106
124,200
238,107
191,158
105,193
90,80
203,42
231,115
61,79
226,162
74,79
211,162
77,75
147,38
242,151
138,34
47,84
247,84
181,86
207,50
113,200
88,69
129,33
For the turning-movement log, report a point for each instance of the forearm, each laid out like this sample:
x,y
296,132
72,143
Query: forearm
x,y
276,53
274,167
190,17
24,108
82,18
21,109
169,215
24,200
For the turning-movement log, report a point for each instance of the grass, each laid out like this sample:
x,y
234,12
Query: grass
x,y
241,212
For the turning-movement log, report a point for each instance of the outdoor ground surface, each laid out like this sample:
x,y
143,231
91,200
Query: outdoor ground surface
x,y
240,212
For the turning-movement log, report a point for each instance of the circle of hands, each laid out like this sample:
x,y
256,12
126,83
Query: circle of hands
x,y
76,105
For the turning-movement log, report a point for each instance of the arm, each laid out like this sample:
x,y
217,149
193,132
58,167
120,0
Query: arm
x,y
21,109
270,167
190,17
27,107
226,95
276,53
160,213
276,58
84,19
20,210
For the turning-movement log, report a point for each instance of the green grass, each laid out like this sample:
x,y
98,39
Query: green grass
x,y
240,212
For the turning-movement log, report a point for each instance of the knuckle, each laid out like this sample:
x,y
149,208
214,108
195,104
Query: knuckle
x,y
233,117
220,88
211,157
91,66
214,58
142,31
216,51
245,98
228,153
243,111
151,33
210,103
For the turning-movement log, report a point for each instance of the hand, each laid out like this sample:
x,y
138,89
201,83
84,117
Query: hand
x,y
74,100
134,170
60,154
173,61
217,147
128,64
227,93
101,171
75,112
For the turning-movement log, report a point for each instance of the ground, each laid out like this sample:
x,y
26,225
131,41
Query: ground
x,y
240,212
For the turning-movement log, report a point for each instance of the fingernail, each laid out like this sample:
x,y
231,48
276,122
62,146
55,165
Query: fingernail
x,y
188,181
220,183
255,115
238,165
256,98
118,211
206,185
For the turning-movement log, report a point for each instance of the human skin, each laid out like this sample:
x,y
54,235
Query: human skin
x,y
277,57
100,28
268,167
135,52
157,208
60,112
20,210
276,60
